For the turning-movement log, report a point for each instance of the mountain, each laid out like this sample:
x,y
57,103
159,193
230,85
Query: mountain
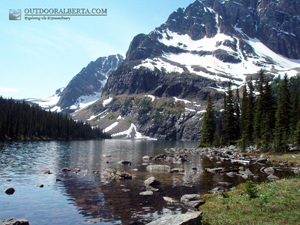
x,y
85,88
160,89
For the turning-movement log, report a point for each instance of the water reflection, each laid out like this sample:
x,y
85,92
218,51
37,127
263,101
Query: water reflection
x,y
85,195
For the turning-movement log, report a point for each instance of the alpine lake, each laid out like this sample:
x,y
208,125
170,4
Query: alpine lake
x,y
81,196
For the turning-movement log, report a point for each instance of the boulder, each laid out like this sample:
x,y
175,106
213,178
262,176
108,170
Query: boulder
x,y
187,218
269,170
14,221
158,168
262,160
151,181
9,191
273,178
192,200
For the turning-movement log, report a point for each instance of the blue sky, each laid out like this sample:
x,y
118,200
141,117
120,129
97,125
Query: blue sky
x,y
38,57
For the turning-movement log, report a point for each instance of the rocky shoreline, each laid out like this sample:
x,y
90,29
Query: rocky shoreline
x,y
240,166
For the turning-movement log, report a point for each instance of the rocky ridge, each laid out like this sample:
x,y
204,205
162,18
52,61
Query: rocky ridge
x,y
85,88
193,54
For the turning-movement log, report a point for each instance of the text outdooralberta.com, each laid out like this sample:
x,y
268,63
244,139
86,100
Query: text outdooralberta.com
x,y
65,11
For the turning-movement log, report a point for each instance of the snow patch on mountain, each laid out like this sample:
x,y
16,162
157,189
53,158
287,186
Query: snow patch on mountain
x,y
199,57
107,101
132,133
112,126
86,100
48,103
159,64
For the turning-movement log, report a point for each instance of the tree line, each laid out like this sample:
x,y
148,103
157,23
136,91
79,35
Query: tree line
x,y
267,115
22,121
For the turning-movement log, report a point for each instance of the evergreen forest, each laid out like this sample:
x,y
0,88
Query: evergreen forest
x,y
22,121
264,113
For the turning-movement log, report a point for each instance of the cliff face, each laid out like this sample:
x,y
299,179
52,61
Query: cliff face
x,y
89,82
193,54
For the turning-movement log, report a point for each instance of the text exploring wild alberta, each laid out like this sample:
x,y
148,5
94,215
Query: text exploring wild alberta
x,y
62,13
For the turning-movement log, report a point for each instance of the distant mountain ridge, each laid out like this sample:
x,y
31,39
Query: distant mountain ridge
x,y
85,88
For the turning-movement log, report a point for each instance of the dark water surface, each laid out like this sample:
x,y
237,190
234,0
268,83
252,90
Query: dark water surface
x,y
81,197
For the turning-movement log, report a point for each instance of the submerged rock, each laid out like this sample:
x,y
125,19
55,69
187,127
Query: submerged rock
x,y
168,199
187,218
14,221
151,181
158,168
125,162
269,171
9,191
147,193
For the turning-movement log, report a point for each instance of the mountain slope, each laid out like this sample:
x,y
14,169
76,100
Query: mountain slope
x,y
85,88
195,53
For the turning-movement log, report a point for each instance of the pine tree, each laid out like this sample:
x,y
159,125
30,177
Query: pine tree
x,y
247,115
209,125
259,108
237,115
229,118
283,112
268,117
297,134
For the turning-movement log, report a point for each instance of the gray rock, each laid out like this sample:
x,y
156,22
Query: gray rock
x,y
146,158
245,176
147,193
9,191
190,197
214,170
183,219
151,181
177,170
231,174
171,200
125,162
273,178
192,200
158,168
65,169
14,221
269,170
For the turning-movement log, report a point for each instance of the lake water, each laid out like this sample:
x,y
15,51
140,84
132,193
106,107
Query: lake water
x,y
85,197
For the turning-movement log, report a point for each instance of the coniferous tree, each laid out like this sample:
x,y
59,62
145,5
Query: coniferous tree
x,y
259,108
237,115
247,115
282,125
268,117
209,125
229,119
297,135
295,106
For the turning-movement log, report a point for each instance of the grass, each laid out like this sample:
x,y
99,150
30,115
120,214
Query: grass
x,y
287,158
276,203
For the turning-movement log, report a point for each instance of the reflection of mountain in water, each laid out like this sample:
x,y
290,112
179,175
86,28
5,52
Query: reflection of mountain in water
x,y
119,201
